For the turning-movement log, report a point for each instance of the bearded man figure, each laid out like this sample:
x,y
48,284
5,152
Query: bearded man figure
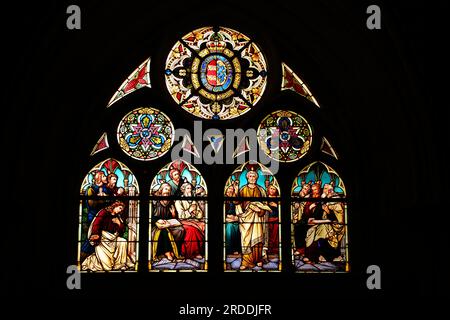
x,y
252,221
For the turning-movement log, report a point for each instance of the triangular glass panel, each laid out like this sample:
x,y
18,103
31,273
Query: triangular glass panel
x,y
242,147
291,81
138,79
188,146
101,144
216,141
327,148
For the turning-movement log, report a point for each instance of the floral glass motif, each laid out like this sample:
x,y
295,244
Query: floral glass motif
x,y
252,239
285,136
108,219
319,221
216,73
178,225
145,134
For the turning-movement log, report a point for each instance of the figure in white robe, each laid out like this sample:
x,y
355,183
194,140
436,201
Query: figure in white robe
x,y
105,233
191,217
251,227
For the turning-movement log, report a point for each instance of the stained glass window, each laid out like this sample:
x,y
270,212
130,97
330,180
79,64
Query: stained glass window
x,y
285,136
178,219
145,134
252,239
216,73
319,220
139,78
108,219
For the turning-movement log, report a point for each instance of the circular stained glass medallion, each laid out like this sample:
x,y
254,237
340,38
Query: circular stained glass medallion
x,y
145,134
285,136
216,73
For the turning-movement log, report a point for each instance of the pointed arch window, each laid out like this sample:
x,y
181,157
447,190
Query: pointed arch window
x,y
252,220
178,219
213,73
108,219
319,220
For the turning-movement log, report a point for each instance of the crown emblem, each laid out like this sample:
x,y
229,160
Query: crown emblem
x,y
216,43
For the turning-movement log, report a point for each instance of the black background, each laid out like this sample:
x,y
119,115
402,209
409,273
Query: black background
x,y
378,110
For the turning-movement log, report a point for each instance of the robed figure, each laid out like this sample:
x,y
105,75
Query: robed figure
x,y
167,232
106,235
252,221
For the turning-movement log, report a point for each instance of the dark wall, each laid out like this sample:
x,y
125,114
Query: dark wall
x,y
375,110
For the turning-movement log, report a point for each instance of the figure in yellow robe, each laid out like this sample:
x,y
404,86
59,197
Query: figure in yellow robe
x,y
252,222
